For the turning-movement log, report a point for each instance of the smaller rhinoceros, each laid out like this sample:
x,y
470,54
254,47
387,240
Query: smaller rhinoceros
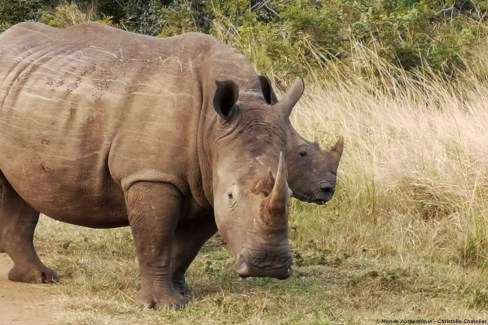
x,y
312,172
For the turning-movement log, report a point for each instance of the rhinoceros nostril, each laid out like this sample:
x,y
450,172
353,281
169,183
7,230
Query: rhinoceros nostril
x,y
286,274
327,188
242,269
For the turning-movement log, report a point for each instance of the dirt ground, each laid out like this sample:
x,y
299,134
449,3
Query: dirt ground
x,y
25,304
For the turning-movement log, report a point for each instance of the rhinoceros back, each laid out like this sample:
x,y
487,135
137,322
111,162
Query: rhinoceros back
x,y
74,101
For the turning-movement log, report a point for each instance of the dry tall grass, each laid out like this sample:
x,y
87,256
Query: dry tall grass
x,y
414,176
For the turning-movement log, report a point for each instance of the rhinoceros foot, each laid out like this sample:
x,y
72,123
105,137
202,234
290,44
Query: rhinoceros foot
x,y
173,300
33,274
182,287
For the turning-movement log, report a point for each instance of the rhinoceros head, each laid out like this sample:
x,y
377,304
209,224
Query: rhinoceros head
x,y
250,189
312,171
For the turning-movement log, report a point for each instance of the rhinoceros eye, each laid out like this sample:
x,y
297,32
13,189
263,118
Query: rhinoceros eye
x,y
230,199
303,153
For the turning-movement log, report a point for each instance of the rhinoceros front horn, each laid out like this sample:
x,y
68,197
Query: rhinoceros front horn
x,y
290,99
274,208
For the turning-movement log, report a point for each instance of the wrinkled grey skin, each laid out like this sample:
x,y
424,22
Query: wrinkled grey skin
x,y
104,128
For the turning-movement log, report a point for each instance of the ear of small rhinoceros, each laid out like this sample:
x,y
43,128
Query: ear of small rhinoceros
x,y
338,147
268,92
225,98
290,99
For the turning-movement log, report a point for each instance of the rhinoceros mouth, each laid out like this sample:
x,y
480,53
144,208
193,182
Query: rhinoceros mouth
x,y
279,267
319,202
310,199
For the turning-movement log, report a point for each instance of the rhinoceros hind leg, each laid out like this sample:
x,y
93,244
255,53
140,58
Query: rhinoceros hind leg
x,y
17,224
188,241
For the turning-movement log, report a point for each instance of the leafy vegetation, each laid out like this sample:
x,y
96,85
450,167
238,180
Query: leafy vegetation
x,y
289,37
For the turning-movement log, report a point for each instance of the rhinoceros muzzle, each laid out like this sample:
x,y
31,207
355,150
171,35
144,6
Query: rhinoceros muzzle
x,y
280,268
324,194
271,257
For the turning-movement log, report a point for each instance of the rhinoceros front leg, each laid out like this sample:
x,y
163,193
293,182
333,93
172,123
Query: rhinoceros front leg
x,y
17,224
154,210
189,239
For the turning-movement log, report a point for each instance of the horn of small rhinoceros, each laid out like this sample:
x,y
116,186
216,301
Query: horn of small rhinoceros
x,y
291,97
339,146
274,208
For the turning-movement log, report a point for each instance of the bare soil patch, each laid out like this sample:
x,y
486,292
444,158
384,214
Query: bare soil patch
x,y
22,303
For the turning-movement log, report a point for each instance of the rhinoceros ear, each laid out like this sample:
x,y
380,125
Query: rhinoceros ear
x,y
338,147
268,92
225,98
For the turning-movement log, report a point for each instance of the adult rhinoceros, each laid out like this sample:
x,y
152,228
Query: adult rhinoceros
x,y
105,128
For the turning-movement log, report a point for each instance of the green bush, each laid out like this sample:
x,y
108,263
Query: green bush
x,y
289,37
295,37
14,11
